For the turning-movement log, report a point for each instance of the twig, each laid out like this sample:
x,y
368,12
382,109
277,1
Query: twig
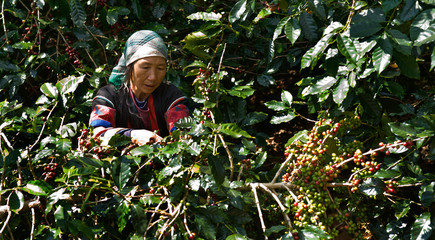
x,y
230,157
90,57
291,193
242,166
98,41
281,168
281,206
377,149
43,127
3,20
257,202
33,223
349,18
6,141
6,222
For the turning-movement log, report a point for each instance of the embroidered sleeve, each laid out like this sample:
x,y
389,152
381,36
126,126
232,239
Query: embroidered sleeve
x,y
174,114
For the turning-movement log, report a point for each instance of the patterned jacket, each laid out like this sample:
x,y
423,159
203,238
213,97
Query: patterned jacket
x,y
165,106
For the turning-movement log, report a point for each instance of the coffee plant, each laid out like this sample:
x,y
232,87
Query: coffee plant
x,y
309,120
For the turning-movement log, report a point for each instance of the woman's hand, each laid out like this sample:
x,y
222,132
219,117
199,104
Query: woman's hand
x,y
141,137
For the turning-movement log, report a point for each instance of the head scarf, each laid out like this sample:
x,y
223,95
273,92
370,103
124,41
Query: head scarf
x,y
144,43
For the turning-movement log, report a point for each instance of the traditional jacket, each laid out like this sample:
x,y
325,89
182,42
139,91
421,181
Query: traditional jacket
x,y
165,106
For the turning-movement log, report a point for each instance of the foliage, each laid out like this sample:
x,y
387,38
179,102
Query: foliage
x,y
363,168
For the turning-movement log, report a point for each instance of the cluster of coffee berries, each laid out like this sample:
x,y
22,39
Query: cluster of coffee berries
x,y
50,171
246,163
214,200
204,83
316,160
119,27
84,140
391,186
74,55
102,2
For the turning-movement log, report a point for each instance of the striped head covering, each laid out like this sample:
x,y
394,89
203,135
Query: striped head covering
x,y
144,43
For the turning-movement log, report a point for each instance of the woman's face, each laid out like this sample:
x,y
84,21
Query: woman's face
x,y
148,73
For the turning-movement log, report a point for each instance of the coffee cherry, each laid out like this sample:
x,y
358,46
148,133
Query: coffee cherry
x,y
192,235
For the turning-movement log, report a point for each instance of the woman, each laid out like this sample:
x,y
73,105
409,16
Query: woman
x,y
138,102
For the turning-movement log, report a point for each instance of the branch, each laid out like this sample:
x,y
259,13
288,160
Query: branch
x,y
257,202
283,209
282,167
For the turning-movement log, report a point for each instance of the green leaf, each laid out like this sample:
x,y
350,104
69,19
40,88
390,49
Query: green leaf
x,y
401,41
37,187
367,22
262,14
402,129
159,9
235,198
254,118
283,118
242,91
63,145
347,48
265,80
409,10
7,66
233,130
286,97
311,57
68,130
239,11
427,194
372,187
77,226
313,233
217,169
92,162
77,12
309,26
401,209
387,174
320,86
137,8
16,201
50,90
43,154
382,54
61,217
205,227
430,2
205,16
300,135
69,84
318,9
120,171
408,65
422,227
387,5
341,91
276,106
236,237
260,159
23,45
422,29
279,27
274,229
292,30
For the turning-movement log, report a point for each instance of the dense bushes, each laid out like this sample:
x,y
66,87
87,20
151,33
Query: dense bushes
x,y
349,83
